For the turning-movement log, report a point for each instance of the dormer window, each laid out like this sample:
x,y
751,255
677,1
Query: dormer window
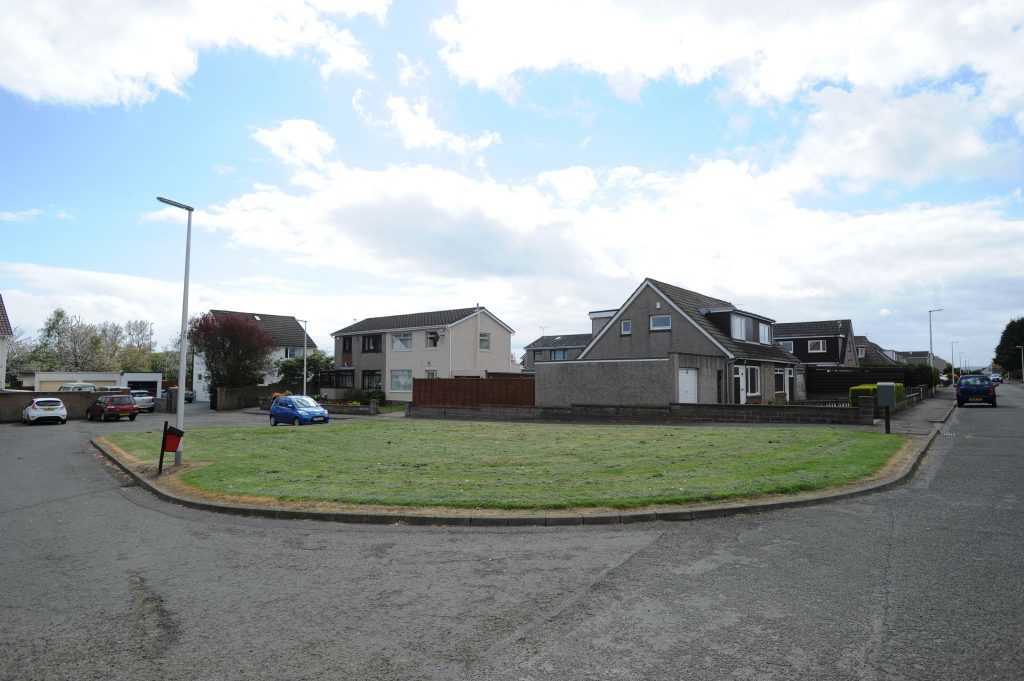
x,y
764,333
743,328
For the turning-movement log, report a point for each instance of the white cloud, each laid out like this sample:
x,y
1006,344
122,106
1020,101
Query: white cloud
x,y
866,136
91,53
764,50
409,72
574,185
419,131
20,215
298,143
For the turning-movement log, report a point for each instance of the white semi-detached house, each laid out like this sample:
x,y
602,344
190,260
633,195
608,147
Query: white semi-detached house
x,y
286,331
387,353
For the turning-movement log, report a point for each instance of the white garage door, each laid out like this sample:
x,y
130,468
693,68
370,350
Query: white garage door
x,y
688,386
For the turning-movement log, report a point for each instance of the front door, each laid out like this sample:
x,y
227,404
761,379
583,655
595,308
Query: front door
x,y
688,386
739,385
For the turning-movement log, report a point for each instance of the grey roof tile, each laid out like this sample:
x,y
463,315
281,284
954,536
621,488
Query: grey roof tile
x,y
287,331
415,320
5,322
572,340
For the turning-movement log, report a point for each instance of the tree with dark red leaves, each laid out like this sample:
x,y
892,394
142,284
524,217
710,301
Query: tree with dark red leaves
x,y
236,349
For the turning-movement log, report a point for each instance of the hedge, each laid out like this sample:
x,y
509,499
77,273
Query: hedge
x,y
871,390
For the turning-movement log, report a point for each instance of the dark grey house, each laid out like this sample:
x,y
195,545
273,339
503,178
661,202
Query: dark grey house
x,y
555,349
667,344
827,343
871,354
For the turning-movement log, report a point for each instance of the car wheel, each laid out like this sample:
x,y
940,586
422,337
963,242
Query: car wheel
x,y
273,421
993,403
295,421
131,417
88,416
63,421
959,403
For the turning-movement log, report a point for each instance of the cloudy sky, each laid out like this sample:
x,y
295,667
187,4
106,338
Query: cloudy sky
x,y
355,158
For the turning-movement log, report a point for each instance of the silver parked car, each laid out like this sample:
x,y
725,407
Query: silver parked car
x,y
144,400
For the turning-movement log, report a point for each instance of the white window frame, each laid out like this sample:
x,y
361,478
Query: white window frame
x,y
396,374
754,372
626,327
433,339
485,342
811,345
737,327
786,345
666,327
401,342
764,332
431,373
780,372
861,352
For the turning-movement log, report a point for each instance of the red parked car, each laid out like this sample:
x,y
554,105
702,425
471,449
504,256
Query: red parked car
x,y
112,407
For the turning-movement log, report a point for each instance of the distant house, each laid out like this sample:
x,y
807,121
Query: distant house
x,y
871,354
827,343
286,331
6,334
921,357
387,353
555,349
666,344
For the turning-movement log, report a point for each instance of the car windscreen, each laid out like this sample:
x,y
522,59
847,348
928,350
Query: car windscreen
x,y
122,399
48,403
304,402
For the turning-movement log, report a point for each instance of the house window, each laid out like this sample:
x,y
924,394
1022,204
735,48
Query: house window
x,y
371,343
346,344
401,380
786,345
764,333
753,380
538,355
861,351
371,380
433,339
743,327
557,355
780,380
816,346
293,352
335,379
401,342
626,327
485,341
661,322
431,373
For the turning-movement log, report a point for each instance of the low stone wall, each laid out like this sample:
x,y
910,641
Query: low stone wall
x,y
674,413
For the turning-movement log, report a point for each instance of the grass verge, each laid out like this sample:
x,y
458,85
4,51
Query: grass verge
x,y
416,463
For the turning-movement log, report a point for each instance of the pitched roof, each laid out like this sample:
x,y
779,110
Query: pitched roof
x,y
831,327
287,331
416,320
573,340
873,353
5,322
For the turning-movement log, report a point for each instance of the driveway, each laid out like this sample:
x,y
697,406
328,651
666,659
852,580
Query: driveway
x,y
101,580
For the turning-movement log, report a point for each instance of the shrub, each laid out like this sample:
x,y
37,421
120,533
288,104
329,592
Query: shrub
x,y
871,390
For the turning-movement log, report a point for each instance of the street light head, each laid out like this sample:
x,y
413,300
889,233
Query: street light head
x,y
176,204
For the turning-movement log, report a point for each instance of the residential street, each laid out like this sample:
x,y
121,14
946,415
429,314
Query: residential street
x,y
99,580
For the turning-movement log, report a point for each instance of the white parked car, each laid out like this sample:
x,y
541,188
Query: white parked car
x,y
144,400
44,409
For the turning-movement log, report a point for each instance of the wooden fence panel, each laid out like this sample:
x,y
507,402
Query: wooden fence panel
x,y
837,381
473,392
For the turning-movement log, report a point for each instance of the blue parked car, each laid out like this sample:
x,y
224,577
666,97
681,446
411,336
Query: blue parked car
x,y
297,409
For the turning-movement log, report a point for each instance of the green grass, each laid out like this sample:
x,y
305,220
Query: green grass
x,y
519,466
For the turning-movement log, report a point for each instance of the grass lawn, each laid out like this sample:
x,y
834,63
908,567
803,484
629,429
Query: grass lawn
x,y
516,465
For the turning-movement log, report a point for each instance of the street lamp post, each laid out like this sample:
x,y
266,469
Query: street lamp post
x,y
961,364
180,406
304,336
930,355
1021,363
952,357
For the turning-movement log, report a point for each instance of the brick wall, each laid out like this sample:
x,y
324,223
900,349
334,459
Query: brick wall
x,y
11,404
675,413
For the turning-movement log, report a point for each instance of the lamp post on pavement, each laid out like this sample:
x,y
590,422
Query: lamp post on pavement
x,y
1021,363
952,358
930,355
304,336
180,401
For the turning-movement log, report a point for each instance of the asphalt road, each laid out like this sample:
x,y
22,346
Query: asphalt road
x,y
102,581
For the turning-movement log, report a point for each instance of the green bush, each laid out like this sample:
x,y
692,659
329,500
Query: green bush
x,y
922,374
871,390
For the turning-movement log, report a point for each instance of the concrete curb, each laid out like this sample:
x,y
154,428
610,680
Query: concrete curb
x,y
552,520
